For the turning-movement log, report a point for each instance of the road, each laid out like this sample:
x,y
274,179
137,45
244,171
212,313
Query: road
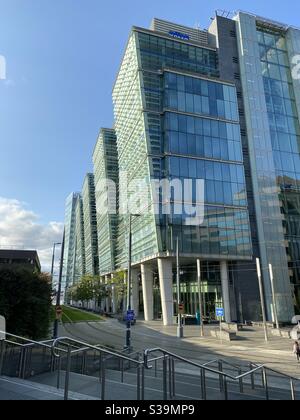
x,y
251,346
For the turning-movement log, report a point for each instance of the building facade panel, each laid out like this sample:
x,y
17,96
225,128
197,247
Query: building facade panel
x,y
106,170
90,226
264,79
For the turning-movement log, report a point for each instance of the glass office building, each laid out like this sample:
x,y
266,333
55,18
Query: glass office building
x,y
70,239
176,119
106,170
220,105
90,226
79,260
272,110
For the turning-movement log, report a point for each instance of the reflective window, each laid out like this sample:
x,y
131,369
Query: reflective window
x,y
199,96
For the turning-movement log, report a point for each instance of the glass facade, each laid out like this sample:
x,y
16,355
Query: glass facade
x,y
132,143
285,135
204,142
181,115
79,260
158,53
90,226
200,137
198,96
272,133
106,168
70,239
189,129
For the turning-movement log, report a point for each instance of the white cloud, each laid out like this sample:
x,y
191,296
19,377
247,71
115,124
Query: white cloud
x,y
20,228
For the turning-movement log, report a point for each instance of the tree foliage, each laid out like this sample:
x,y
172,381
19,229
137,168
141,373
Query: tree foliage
x,y
120,285
25,301
91,288
88,288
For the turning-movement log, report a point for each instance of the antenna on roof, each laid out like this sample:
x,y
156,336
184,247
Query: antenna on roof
x,y
197,26
224,13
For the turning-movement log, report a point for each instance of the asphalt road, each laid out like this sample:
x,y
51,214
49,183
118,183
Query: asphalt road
x,y
277,354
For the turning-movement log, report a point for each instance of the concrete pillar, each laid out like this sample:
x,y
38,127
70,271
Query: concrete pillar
x,y
225,290
147,281
135,290
166,289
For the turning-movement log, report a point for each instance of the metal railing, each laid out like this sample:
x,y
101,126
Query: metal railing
x,y
82,349
17,352
61,352
57,356
169,374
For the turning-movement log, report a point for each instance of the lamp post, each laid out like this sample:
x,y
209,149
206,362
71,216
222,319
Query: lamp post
x,y
55,330
262,298
180,325
274,297
128,324
53,260
200,298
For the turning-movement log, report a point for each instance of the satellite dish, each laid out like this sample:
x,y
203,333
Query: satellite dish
x,y
296,320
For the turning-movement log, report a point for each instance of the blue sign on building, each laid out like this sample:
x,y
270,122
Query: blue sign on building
x,y
220,312
179,35
130,316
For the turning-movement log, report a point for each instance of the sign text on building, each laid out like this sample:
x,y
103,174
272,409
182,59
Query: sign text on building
x,y
179,35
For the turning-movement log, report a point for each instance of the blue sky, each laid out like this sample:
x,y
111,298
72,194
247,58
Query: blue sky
x,y
62,57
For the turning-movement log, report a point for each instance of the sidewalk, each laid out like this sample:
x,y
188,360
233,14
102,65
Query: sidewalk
x,y
250,346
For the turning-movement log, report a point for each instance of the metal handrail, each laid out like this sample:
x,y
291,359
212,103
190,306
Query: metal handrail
x,y
222,375
85,347
91,347
165,352
168,358
224,362
189,362
27,340
279,373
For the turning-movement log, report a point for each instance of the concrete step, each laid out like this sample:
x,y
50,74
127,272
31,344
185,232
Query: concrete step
x,y
189,387
115,390
13,389
91,386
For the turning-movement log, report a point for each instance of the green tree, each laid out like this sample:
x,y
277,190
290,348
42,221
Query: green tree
x,y
25,301
120,286
89,288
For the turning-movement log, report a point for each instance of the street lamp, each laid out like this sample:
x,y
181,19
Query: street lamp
x,y
55,330
128,324
53,260
180,324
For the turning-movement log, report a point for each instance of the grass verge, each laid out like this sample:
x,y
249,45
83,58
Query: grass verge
x,y
71,315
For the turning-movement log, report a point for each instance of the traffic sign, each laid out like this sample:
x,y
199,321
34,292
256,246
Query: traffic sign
x,y
59,312
220,312
181,308
130,316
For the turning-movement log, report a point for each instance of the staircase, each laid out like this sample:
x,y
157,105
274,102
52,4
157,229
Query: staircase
x,y
70,369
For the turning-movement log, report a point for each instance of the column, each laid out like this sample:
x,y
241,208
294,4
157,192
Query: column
x,y
147,281
225,290
166,289
135,290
